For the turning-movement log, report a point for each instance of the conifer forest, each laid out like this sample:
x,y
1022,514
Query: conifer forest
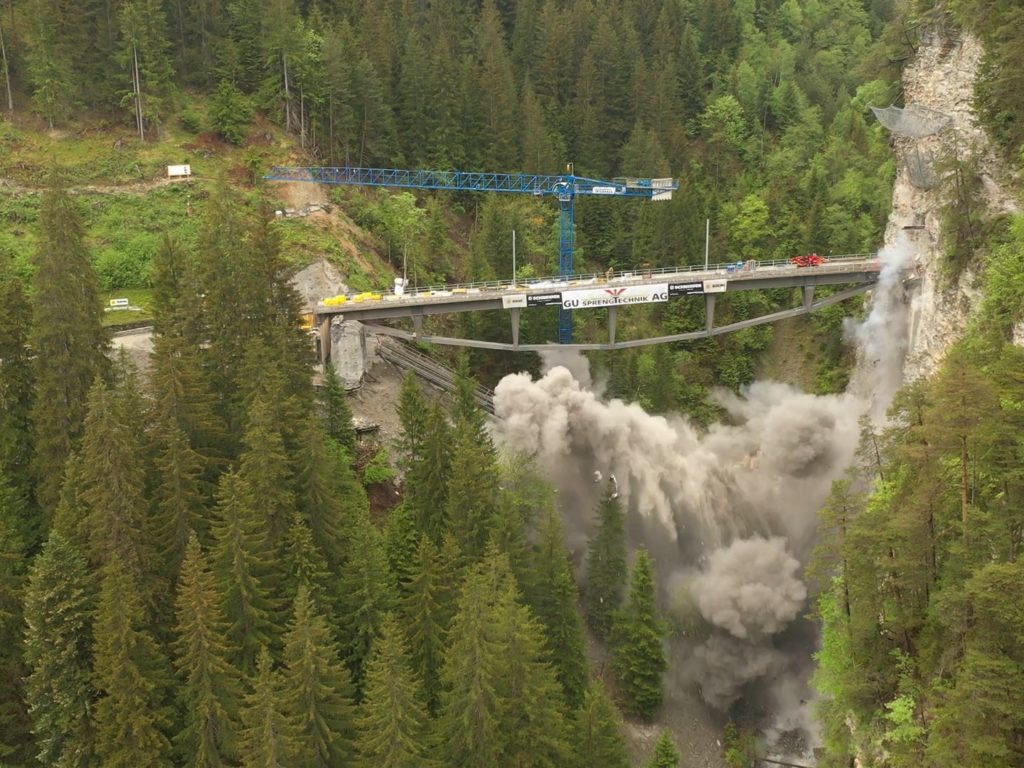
x,y
204,564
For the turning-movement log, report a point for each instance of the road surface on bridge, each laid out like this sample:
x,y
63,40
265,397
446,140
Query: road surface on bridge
x,y
468,297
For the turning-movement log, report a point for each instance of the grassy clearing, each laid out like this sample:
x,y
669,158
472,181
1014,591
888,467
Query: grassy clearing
x,y
128,205
140,299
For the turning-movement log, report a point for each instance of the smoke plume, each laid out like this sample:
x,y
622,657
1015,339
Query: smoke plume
x,y
882,336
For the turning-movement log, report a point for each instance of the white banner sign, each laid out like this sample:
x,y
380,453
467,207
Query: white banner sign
x,y
715,286
517,300
613,297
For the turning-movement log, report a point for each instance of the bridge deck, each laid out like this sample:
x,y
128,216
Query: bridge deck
x,y
496,295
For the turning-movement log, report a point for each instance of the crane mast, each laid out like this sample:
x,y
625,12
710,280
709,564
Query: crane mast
x,y
566,188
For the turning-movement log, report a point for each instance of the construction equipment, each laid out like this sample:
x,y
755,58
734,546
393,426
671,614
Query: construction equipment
x,y
808,260
566,188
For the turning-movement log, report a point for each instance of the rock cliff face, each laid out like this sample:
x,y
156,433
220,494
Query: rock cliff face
x,y
941,78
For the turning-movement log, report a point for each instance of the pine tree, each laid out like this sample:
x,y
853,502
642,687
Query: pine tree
x,y
268,738
367,595
470,708
15,386
393,723
666,754
401,539
113,487
181,393
145,54
556,607
426,483
412,413
331,496
132,714
263,468
210,696
15,725
306,564
427,610
317,690
60,601
532,715
472,490
178,499
241,562
597,731
606,565
336,411
69,348
638,643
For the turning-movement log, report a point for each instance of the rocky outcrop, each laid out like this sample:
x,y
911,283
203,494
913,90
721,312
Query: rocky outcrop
x,y
940,78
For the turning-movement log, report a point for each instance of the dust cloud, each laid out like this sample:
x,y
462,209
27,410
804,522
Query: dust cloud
x,y
728,513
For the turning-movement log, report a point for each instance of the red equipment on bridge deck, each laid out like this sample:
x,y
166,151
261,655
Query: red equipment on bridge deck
x,y
809,260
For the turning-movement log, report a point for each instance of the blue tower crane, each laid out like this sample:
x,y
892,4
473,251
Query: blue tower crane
x,y
565,188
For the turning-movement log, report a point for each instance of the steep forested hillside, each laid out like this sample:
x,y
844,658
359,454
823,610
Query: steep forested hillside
x,y
759,107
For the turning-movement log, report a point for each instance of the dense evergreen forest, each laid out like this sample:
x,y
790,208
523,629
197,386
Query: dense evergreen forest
x,y
759,107
190,571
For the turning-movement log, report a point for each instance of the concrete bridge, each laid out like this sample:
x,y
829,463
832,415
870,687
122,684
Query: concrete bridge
x,y
594,291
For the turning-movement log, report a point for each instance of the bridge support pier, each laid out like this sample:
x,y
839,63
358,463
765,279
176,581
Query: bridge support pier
x,y
515,312
417,325
324,333
612,317
808,296
709,312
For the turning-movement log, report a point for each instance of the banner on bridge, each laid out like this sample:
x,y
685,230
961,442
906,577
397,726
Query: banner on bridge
x,y
614,297
715,286
516,300
544,300
685,289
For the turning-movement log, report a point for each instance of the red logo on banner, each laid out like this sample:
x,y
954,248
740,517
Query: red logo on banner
x,y
615,291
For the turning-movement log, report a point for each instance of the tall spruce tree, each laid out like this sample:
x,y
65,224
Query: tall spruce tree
x,y
15,736
393,724
606,564
241,562
597,731
368,594
472,489
317,690
210,694
556,606
66,337
269,740
532,721
426,482
639,655
336,411
264,470
427,610
60,602
113,488
470,708
16,386
666,753
133,713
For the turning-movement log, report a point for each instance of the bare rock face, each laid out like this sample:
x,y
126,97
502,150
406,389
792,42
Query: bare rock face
x,y
941,78
317,281
348,351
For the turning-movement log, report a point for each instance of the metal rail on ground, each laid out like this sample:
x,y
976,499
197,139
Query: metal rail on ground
x,y
428,369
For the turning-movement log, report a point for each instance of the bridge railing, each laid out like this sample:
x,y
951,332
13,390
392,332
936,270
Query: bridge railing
x,y
837,263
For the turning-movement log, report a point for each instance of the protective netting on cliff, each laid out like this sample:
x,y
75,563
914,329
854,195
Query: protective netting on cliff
x,y
914,122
